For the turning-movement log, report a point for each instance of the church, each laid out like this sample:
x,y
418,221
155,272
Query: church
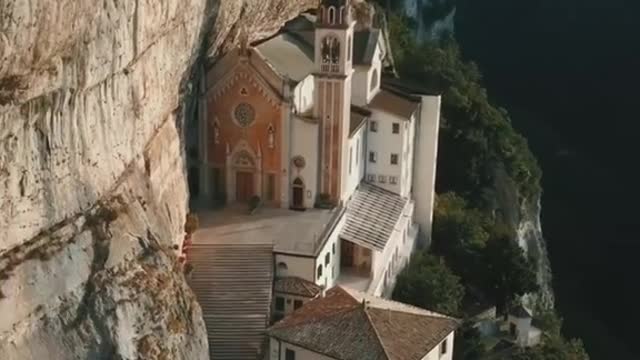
x,y
340,158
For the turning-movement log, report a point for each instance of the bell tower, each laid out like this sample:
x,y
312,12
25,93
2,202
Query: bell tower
x,y
333,72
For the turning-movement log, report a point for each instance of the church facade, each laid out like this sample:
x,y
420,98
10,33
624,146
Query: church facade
x,y
305,119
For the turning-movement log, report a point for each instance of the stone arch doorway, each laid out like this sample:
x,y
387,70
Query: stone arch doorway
x,y
245,168
297,194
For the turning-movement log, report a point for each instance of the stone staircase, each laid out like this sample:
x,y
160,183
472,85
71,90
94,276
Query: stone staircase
x,y
233,284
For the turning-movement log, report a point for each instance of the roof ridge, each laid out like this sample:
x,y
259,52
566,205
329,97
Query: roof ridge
x,y
384,349
382,189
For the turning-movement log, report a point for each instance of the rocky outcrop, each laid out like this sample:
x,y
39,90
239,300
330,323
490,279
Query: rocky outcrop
x,y
92,183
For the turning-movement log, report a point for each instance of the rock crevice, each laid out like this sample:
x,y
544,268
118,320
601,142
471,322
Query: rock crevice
x,y
93,195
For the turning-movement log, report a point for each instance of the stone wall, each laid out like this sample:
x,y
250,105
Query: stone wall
x,y
92,182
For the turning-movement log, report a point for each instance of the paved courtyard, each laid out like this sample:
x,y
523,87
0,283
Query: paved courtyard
x,y
288,231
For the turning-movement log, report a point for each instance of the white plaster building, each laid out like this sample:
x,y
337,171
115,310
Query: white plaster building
x,y
341,136
520,328
343,160
350,325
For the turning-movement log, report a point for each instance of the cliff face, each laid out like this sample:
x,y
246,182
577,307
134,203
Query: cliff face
x,y
92,184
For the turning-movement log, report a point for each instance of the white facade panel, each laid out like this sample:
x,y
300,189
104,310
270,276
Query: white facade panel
x,y
356,161
304,143
303,94
383,143
299,266
388,263
437,352
278,349
424,166
330,270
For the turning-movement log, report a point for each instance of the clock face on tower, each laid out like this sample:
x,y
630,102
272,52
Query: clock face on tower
x,y
244,114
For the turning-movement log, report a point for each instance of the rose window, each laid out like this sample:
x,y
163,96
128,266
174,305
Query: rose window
x,y
244,114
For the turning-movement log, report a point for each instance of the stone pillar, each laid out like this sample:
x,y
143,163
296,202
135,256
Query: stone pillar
x,y
258,173
230,177
286,154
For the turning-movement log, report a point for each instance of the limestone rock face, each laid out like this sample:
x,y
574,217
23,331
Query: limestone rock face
x,y
92,183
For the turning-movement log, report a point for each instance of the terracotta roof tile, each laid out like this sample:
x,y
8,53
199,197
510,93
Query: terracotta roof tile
x,y
296,286
340,326
395,102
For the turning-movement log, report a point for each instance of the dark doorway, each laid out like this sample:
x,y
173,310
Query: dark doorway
x,y
346,253
298,194
244,186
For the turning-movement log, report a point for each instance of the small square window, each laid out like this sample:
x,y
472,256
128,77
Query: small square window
x,y
393,180
395,128
373,126
297,304
289,354
279,303
394,159
371,178
372,156
382,179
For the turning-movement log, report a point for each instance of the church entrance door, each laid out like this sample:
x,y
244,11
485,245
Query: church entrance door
x,y
244,186
346,253
298,194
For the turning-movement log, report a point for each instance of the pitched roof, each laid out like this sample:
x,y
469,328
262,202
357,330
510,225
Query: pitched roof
x,y
296,286
340,325
364,41
358,116
395,102
372,214
520,312
364,46
288,55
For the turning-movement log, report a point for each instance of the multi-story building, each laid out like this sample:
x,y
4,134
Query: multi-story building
x,y
342,160
350,325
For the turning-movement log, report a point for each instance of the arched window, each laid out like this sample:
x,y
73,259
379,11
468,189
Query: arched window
x,y
332,15
330,53
341,18
319,271
281,269
327,259
374,79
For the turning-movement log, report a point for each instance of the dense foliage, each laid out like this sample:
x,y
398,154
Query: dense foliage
x,y
554,345
476,143
475,136
428,283
480,251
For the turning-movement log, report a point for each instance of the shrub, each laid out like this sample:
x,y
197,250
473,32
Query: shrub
x,y
426,282
323,201
254,202
191,223
188,269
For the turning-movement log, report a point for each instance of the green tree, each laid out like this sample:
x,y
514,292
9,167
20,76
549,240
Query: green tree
x,y
554,349
459,234
468,344
509,272
426,282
